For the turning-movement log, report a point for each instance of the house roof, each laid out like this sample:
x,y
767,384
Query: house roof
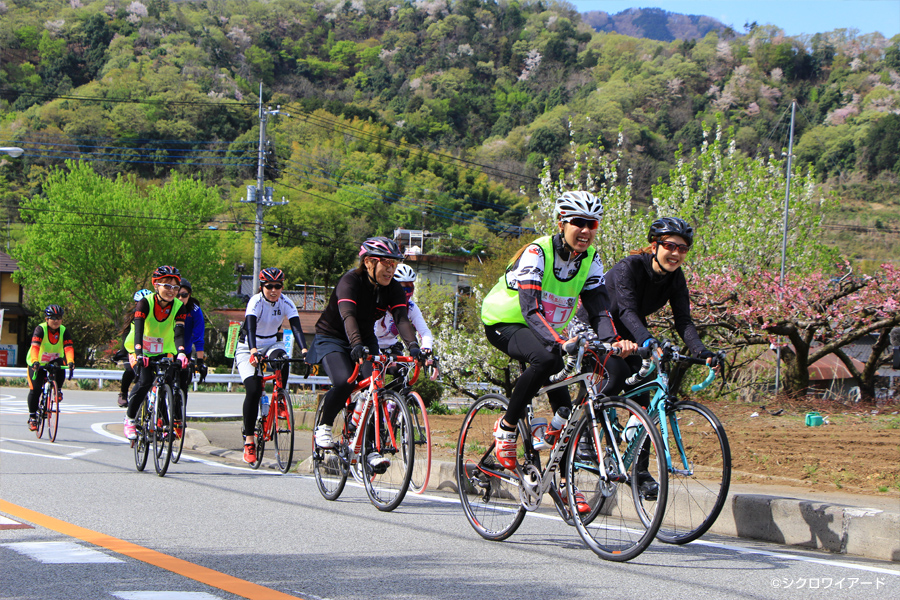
x,y
825,369
7,263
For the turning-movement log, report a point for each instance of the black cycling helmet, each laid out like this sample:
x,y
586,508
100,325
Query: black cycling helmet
x,y
271,275
54,311
187,284
671,226
165,271
381,247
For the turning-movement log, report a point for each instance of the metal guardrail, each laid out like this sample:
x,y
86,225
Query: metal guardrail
x,y
102,375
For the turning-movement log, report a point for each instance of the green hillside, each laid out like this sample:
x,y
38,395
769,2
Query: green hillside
x,y
437,114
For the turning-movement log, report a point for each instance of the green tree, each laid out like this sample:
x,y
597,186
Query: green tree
x,y
91,242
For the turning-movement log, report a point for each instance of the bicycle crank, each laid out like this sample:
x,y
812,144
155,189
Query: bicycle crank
x,y
530,488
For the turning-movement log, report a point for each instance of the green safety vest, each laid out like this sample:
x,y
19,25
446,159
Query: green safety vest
x,y
558,298
50,351
159,336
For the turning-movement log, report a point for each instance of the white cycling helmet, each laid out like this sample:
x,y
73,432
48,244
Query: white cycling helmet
x,y
578,204
404,273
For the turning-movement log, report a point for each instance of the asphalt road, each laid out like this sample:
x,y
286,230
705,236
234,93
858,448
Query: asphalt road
x,y
215,529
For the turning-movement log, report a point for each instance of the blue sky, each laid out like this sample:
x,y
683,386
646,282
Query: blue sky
x,y
795,17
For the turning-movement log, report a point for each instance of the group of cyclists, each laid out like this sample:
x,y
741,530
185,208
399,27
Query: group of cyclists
x,y
553,290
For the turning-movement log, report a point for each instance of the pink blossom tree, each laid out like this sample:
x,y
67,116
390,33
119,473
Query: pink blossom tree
x,y
818,313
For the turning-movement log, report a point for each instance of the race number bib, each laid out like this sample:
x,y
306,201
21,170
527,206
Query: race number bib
x,y
48,356
153,345
557,309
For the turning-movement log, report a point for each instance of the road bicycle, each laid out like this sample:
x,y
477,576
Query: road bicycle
x,y
402,383
385,426
47,415
598,461
160,417
276,414
697,453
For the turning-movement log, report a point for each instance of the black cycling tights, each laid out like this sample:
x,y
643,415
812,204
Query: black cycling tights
x,y
339,367
253,387
519,342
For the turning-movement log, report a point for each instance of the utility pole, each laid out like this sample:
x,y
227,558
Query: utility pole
x,y
784,238
259,194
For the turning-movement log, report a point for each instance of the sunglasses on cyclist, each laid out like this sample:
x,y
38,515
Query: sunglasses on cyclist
x,y
169,287
390,263
581,223
409,289
672,247
184,295
273,286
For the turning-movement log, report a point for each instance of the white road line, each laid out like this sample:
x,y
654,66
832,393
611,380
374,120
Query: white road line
x,y
53,456
61,553
163,595
81,450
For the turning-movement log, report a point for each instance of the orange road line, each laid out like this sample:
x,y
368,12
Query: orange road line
x,y
178,566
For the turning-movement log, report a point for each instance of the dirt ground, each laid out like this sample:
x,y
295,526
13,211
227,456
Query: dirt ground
x,y
856,450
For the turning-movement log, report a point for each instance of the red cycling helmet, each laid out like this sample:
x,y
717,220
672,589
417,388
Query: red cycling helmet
x,y
271,275
165,271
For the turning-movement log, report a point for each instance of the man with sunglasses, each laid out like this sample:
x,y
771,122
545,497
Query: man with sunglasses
x,y
386,330
638,286
157,329
261,335
532,303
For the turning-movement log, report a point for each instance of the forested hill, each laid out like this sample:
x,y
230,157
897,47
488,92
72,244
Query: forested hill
x,y
655,24
504,86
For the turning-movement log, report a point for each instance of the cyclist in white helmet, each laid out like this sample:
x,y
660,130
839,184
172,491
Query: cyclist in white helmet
x,y
526,311
386,330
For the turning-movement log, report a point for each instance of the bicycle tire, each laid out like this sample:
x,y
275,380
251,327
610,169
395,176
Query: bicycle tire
x,y
52,414
625,522
489,498
163,432
393,439
178,442
331,465
141,444
284,430
695,500
260,436
39,416
422,436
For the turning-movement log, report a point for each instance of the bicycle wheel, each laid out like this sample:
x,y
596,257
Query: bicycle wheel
x,y
52,414
161,419
141,445
180,423
421,433
40,415
489,493
262,424
331,465
622,522
284,430
389,433
698,480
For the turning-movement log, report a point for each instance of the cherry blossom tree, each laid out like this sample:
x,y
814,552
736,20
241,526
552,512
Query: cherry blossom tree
x,y
817,313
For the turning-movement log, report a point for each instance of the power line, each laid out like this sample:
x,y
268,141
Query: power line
x,y
51,96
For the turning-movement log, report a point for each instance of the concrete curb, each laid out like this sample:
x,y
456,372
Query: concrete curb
x,y
840,529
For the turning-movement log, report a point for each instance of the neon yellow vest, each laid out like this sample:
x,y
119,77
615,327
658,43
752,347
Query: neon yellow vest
x,y
558,298
159,336
50,351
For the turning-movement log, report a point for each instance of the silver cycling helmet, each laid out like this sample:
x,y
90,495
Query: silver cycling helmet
x,y
577,204
404,274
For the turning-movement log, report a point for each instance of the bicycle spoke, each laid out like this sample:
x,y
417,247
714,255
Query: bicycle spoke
x,y
141,444
421,433
284,429
180,424
52,412
624,519
331,465
491,503
388,433
700,477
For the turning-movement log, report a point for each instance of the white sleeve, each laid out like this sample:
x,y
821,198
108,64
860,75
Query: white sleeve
x,y
595,276
253,306
290,309
418,321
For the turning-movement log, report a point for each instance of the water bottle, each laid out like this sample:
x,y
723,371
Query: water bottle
x,y
538,431
264,404
559,419
391,407
357,413
631,428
